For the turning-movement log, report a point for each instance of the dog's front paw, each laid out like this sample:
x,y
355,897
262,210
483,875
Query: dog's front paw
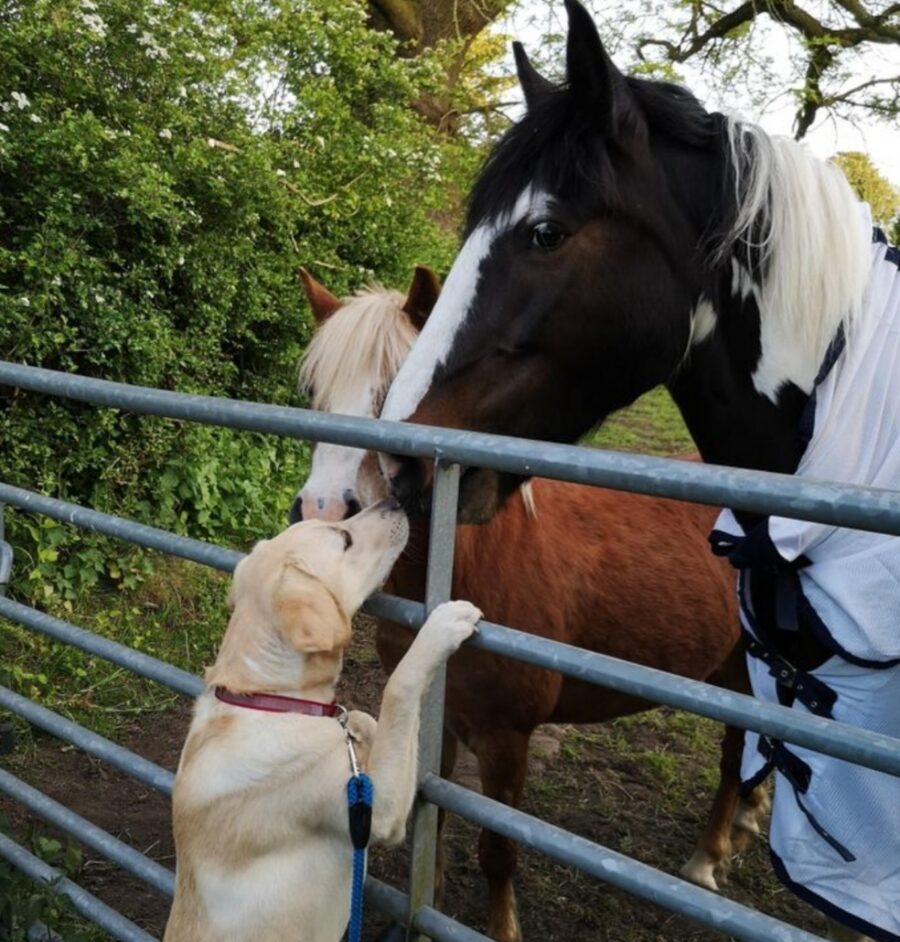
x,y
449,625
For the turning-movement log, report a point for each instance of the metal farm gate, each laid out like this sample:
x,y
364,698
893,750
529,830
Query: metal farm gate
x,y
860,508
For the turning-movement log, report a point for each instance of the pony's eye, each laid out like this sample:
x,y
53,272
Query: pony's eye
x,y
547,235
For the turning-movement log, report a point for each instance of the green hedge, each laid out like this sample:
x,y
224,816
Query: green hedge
x,y
164,168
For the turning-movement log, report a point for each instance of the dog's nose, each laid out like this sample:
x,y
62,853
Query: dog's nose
x,y
295,514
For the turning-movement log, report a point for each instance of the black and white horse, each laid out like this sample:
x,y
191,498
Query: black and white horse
x,y
620,237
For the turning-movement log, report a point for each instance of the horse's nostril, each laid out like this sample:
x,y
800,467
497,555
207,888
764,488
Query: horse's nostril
x,y
353,507
295,514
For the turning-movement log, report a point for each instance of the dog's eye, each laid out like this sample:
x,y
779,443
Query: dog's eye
x,y
348,540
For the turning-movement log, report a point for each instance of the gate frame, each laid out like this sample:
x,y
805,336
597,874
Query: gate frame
x,y
837,504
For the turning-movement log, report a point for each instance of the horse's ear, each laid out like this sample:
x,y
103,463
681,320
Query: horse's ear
x,y
534,85
422,295
321,300
589,70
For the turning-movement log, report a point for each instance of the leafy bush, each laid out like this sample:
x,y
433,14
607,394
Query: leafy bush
x,y
164,168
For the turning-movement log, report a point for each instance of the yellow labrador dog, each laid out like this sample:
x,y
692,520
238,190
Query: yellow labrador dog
x,y
260,808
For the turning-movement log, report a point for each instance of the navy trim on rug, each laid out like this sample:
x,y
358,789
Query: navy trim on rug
x,y
811,620
827,907
747,785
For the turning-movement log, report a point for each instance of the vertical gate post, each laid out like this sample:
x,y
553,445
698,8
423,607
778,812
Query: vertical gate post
x,y
441,541
7,740
6,555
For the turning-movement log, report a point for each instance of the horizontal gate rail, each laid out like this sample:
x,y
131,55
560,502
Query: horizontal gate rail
x,y
435,924
207,554
135,661
757,491
636,878
863,747
83,902
136,863
133,765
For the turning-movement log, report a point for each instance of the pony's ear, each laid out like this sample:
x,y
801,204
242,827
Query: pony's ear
x,y
534,85
306,613
321,300
422,295
589,70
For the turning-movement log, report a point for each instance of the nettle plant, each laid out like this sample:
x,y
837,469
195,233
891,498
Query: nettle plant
x,y
164,169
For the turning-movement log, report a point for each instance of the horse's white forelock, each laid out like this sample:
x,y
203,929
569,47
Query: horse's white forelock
x,y
355,354
803,218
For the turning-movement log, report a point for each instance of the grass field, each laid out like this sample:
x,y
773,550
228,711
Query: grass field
x,y
640,785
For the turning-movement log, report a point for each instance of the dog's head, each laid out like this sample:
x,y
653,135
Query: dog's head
x,y
293,596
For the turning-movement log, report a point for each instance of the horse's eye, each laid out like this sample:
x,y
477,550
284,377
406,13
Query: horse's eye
x,y
547,235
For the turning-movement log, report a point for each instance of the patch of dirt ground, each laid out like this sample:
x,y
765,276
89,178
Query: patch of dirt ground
x,y
641,786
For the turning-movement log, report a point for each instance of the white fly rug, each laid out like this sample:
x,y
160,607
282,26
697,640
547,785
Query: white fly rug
x,y
835,832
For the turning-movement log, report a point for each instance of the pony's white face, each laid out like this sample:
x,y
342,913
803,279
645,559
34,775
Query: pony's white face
x,y
356,352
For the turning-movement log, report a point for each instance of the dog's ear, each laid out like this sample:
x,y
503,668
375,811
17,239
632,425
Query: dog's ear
x,y
307,614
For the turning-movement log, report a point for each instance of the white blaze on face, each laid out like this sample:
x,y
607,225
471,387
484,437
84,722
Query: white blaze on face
x,y
436,340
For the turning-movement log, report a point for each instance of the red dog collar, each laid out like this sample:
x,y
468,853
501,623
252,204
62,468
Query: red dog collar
x,y
274,703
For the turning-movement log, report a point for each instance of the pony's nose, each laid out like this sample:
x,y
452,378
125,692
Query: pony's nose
x,y
295,514
352,504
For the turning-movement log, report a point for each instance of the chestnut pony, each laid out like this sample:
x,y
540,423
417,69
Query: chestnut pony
x,y
622,574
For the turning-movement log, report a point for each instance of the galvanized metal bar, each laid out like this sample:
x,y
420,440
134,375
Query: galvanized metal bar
x,y
135,661
863,747
134,862
93,909
431,921
135,766
761,492
693,902
216,557
438,584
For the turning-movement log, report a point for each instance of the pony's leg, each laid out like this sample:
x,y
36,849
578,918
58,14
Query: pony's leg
x,y
502,763
838,932
710,857
448,764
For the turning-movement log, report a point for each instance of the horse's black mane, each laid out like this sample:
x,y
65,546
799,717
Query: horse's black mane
x,y
559,147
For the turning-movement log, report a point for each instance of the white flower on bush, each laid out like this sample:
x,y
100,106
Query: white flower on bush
x,y
165,134
35,118
4,127
20,100
95,24
88,5
25,302
56,281
280,173
132,28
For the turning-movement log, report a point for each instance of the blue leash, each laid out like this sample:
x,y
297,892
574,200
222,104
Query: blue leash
x,y
360,794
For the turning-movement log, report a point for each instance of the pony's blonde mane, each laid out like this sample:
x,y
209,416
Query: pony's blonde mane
x,y
358,349
801,215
